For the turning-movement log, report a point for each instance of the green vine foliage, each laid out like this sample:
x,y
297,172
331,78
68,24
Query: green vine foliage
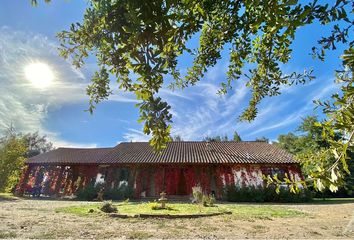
x,y
339,121
145,38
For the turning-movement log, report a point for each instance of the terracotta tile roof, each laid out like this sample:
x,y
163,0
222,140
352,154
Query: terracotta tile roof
x,y
176,152
70,155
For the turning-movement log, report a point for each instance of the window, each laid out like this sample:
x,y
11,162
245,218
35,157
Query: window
x,y
124,174
280,173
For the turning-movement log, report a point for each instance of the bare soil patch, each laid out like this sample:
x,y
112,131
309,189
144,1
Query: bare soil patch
x,y
39,219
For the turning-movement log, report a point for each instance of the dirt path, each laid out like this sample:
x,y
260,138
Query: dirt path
x,y
38,219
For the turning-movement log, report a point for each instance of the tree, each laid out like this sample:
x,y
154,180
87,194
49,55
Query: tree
x,y
225,138
176,138
262,139
311,148
12,157
290,142
145,39
217,138
237,137
14,149
37,144
309,137
338,130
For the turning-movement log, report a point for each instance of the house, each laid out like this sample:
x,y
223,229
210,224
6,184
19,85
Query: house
x,y
176,170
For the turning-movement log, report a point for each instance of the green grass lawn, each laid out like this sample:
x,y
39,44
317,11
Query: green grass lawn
x,y
242,211
262,211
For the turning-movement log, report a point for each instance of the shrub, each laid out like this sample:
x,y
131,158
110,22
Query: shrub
x,y
212,200
200,197
208,200
285,195
154,206
120,193
247,194
89,193
108,207
197,194
205,200
253,194
157,206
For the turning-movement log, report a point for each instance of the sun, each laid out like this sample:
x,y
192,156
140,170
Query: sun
x,y
39,74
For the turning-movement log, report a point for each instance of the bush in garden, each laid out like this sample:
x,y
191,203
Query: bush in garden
x,y
253,194
205,200
157,206
200,197
154,205
212,200
208,200
246,194
285,195
197,194
119,193
108,207
89,193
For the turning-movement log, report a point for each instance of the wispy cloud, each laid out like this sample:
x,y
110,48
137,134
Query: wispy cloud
x,y
63,143
201,112
21,103
58,141
168,93
284,122
121,96
296,114
134,135
24,105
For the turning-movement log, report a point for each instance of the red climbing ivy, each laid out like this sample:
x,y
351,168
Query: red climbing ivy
x,y
189,175
158,177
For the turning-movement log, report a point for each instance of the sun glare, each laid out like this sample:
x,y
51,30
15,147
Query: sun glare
x,y
39,74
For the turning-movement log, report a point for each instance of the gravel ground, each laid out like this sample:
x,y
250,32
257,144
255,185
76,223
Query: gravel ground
x,y
38,219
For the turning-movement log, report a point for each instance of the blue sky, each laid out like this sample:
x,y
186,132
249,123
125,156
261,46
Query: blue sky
x,y
27,34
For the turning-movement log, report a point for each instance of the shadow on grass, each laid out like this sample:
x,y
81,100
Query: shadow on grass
x,y
332,201
7,197
315,201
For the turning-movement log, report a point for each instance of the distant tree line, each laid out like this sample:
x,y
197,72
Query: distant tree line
x,y
236,138
219,138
